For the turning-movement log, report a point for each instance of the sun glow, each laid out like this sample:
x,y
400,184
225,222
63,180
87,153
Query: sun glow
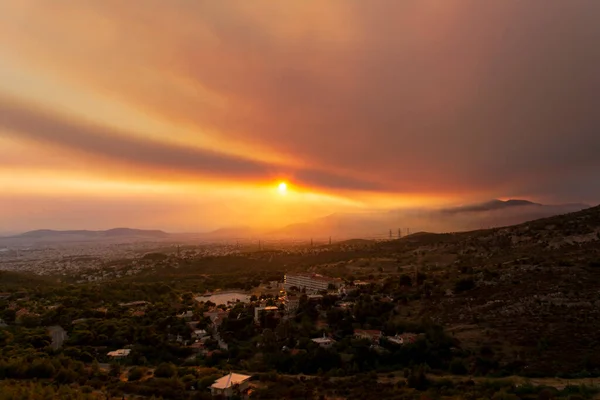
x,y
282,188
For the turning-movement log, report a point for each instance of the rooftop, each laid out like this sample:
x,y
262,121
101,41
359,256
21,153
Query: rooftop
x,y
323,340
316,277
119,353
369,332
230,380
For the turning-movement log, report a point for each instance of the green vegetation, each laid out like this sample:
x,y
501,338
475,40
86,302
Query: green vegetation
x,y
460,316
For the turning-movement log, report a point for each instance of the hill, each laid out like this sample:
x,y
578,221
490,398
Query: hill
x,y
534,298
46,233
52,236
11,281
376,225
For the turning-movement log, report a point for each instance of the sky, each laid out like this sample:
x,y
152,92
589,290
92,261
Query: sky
x,y
186,115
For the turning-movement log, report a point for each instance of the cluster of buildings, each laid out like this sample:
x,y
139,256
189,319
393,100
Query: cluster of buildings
x,y
374,336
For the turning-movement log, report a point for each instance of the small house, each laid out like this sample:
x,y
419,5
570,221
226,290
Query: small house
x,y
231,385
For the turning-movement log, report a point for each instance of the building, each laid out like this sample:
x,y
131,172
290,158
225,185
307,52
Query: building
x,y
134,304
119,354
324,342
405,338
230,385
260,311
292,303
186,315
2,323
372,335
199,334
310,282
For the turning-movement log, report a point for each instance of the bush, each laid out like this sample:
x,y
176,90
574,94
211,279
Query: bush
x,y
464,284
457,367
135,374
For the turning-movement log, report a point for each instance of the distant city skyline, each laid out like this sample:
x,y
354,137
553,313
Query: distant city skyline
x,y
189,116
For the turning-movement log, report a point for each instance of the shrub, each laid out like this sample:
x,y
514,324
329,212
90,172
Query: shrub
x,y
458,367
464,284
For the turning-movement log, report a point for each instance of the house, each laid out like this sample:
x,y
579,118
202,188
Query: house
x,y
403,339
134,304
259,311
193,324
346,305
372,335
218,320
292,303
230,385
197,347
216,317
199,334
22,313
119,354
186,315
324,342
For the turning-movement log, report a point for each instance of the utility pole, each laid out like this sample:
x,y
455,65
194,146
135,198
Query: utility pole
x,y
330,240
259,246
399,233
390,234
311,242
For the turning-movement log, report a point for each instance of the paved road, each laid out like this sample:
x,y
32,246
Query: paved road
x,y
59,335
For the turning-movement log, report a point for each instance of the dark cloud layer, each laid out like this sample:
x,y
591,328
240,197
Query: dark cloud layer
x,y
444,97
109,144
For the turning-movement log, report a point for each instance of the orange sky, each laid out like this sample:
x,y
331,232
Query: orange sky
x,y
185,115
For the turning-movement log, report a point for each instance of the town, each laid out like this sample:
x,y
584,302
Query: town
x,y
422,315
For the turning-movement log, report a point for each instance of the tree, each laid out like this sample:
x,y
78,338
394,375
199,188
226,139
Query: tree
x,y
165,370
135,374
42,369
115,370
457,367
405,280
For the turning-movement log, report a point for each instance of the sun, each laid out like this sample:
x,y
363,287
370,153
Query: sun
x,y
282,188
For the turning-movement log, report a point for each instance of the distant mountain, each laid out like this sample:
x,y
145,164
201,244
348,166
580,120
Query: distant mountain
x,y
135,232
469,217
231,233
55,236
117,232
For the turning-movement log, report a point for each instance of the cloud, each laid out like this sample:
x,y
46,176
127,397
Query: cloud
x,y
108,145
458,96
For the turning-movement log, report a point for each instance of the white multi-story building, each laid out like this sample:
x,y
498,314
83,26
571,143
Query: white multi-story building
x,y
310,282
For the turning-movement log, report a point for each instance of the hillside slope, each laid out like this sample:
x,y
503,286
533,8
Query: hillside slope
x,y
536,295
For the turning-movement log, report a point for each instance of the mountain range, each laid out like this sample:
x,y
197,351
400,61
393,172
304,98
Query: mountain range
x,y
340,226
